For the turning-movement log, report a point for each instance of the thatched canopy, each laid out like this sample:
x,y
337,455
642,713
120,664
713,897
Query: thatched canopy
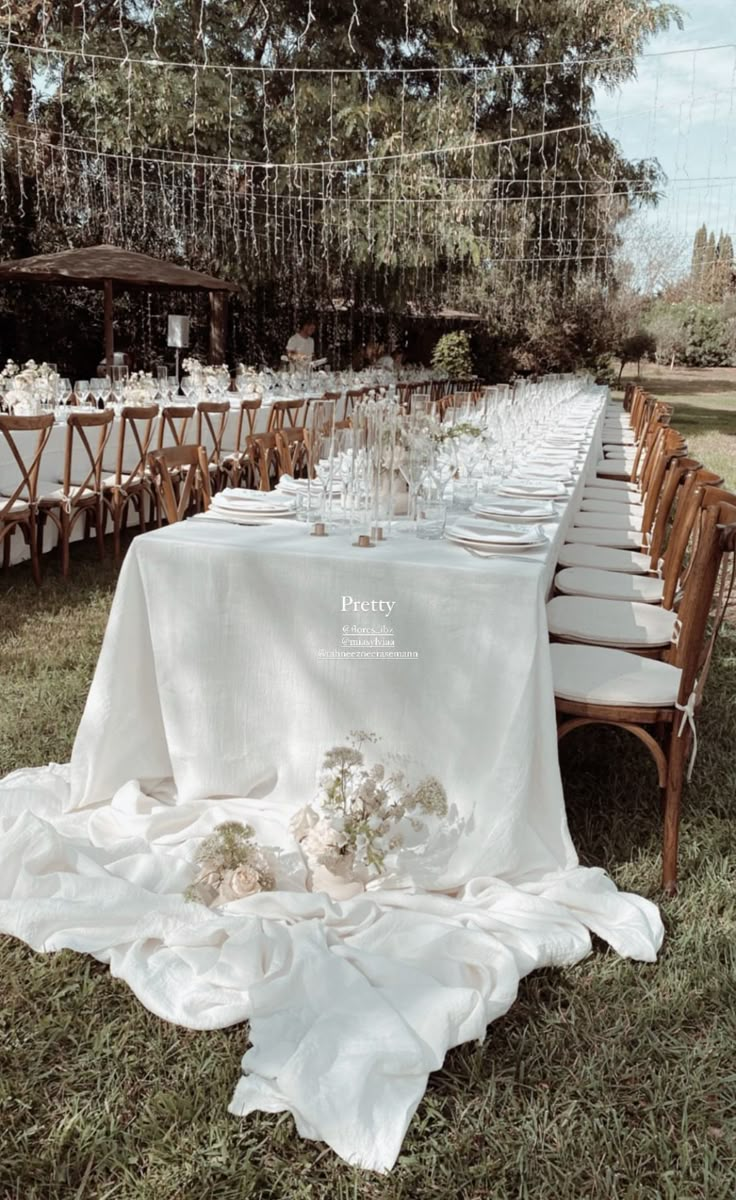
x,y
109,266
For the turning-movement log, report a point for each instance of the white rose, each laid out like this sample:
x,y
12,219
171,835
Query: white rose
x,y
240,882
302,822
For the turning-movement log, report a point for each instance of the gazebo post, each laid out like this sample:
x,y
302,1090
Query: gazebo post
x,y
109,333
218,326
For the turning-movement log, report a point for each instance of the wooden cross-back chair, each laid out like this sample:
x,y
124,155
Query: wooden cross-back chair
x,y
234,462
131,481
18,508
189,466
353,396
284,412
212,419
175,425
264,460
646,623
340,400
294,449
659,701
629,465
80,494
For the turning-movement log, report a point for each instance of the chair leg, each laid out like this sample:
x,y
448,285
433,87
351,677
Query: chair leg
x,y
35,558
64,533
672,797
6,546
116,523
100,522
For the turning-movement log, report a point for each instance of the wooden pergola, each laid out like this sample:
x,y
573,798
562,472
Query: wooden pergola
x,y
109,267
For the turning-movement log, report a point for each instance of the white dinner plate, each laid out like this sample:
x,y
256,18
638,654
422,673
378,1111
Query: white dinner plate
x,y
479,531
543,489
233,518
511,508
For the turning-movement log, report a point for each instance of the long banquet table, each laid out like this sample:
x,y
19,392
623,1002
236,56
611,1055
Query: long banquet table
x,y
222,681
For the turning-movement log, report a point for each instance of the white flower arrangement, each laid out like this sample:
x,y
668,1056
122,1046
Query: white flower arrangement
x,y
360,818
140,388
24,385
203,374
231,866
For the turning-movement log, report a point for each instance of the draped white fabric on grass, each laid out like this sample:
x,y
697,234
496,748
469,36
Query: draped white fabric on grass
x,y
212,701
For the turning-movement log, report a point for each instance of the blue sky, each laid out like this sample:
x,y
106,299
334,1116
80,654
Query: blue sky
x,y
681,109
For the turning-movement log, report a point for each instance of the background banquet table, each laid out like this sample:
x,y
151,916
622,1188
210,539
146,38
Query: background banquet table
x,y
52,465
215,697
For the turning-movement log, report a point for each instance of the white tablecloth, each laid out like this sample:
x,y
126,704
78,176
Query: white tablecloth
x,y
215,697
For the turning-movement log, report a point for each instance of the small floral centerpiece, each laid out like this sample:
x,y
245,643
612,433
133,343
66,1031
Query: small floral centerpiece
x,y
206,375
463,429
25,386
360,818
231,866
140,388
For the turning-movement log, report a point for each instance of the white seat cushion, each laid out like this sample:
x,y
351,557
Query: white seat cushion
x,y
607,520
18,506
578,554
609,585
620,440
619,454
620,539
49,490
614,466
109,481
593,504
597,675
627,624
631,490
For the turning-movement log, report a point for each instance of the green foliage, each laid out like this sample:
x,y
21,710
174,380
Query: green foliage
x,y
453,356
694,334
712,271
707,338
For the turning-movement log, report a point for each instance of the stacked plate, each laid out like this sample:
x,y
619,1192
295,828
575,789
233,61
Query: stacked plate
x,y
543,489
495,537
513,508
288,486
246,506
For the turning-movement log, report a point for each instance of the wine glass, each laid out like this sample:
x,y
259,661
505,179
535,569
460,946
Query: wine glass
x,y
82,390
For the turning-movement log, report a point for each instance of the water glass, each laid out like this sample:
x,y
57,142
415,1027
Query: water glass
x,y
431,517
309,505
464,492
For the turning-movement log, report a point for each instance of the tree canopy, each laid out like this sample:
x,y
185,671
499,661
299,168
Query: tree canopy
x,y
363,149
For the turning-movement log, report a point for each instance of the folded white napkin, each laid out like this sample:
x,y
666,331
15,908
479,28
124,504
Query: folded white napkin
x,y
250,498
495,533
532,487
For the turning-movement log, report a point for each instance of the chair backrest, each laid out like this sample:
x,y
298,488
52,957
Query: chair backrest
x,y
684,529
194,487
137,427
245,424
665,450
212,418
175,419
264,457
294,448
283,409
28,469
89,476
716,541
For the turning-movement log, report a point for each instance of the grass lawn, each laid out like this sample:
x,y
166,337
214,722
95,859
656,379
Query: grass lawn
x,y
705,410
608,1081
